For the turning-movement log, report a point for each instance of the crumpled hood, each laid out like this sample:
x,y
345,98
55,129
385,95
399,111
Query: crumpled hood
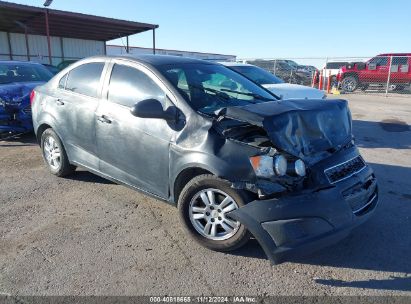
x,y
294,91
300,127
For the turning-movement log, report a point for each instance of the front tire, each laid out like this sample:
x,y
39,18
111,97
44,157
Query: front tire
x,y
349,84
203,206
54,154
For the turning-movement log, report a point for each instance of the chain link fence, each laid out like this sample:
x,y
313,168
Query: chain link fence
x,y
385,74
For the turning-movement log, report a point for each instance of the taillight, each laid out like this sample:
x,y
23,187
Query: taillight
x,y
32,95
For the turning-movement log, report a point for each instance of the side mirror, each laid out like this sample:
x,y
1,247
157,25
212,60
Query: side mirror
x,y
152,108
372,66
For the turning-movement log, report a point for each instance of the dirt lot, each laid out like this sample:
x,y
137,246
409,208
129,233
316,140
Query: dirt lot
x,y
87,236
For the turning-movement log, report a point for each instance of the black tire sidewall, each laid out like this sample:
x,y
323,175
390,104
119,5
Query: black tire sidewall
x,y
204,182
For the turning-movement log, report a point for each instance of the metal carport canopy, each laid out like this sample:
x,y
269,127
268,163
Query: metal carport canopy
x,y
66,24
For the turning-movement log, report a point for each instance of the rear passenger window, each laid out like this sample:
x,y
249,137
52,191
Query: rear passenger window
x,y
62,82
129,85
85,79
399,60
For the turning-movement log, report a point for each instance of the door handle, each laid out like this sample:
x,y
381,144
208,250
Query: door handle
x,y
59,102
104,119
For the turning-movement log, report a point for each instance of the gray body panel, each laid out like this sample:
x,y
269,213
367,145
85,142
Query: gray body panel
x,y
152,154
145,154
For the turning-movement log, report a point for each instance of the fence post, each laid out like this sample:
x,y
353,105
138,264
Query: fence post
x,y
313,73
324,74
389,77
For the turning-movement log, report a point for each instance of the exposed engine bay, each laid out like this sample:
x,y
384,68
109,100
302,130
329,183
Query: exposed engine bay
x,y
290,136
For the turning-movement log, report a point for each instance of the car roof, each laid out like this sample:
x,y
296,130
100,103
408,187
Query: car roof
x,y
230,63
395,54
157,60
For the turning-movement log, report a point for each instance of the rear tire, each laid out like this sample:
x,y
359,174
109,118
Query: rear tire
x,y
203,205
364,87
397,87
349,84
54,154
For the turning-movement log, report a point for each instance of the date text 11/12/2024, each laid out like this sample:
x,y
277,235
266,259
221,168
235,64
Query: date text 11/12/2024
x,y
203,299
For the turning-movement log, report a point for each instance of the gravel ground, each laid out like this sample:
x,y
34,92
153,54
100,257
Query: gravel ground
x,y
84,235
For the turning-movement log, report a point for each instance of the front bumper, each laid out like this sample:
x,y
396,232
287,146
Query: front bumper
x,y
19,122
301,223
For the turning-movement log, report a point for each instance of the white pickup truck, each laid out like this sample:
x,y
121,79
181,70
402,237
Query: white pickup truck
x,y
332,69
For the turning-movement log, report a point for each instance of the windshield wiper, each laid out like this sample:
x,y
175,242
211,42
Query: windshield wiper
x,y
221,93
255,95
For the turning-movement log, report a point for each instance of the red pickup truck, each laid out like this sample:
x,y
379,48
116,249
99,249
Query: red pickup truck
x,y
360,75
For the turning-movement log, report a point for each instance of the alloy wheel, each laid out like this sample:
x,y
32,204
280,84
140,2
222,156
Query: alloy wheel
x,y
208,214
52,152
349,85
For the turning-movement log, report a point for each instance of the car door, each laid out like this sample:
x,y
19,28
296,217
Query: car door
x,y
74,106
399,69
377,70
133,150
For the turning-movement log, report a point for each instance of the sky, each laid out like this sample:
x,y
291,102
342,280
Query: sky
x,y
262,28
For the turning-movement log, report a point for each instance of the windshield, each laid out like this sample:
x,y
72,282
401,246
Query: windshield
x,y
209,87
257,74
23,72
292,63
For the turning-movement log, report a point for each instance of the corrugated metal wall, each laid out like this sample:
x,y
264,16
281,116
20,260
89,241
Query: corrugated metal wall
x,y
38,51
4,48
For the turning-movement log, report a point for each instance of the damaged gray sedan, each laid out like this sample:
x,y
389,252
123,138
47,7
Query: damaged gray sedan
x,y
235,160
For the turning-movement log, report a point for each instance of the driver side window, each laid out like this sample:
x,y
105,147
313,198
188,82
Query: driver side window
x,y
129,85
379,61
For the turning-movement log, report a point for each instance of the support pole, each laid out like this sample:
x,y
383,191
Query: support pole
x,y
154,41
27,43
127,46
9,46
389,77
324,74
62,48
48,35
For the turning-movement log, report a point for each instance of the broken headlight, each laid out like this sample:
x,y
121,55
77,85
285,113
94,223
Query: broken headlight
x,y
267,166
263,165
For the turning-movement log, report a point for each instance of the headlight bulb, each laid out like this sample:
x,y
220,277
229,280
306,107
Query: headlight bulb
x,y
280,165
299,167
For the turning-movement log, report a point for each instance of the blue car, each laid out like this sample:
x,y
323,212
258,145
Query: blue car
x,y
17,80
